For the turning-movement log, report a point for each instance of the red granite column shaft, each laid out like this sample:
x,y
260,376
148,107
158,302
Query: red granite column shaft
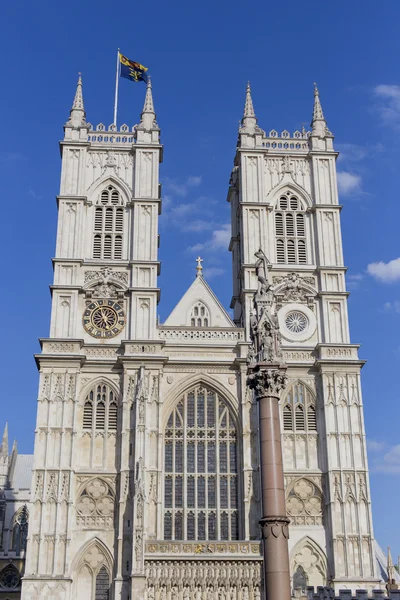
x,y
274,521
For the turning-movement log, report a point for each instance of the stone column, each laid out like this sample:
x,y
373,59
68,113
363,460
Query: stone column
x,y
267,380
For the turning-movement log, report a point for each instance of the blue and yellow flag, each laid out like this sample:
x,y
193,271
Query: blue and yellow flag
x,y
132,70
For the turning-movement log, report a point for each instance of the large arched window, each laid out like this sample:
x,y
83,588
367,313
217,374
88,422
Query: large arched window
x,y
200,481
108,225
100,410
299,410
290,230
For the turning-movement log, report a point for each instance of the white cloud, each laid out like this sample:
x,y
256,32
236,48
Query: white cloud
x,y
349,183
219,240
388,103
391,461
375,446
182,188
197,225
392,306
354,280
385,272
210,272
384,458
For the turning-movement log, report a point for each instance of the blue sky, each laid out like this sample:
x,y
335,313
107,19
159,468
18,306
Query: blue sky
x,y
200,56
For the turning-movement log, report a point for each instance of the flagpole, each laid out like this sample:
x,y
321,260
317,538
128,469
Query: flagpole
x,y
116,90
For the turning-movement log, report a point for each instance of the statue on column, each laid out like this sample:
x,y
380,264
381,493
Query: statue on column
x,y
264,324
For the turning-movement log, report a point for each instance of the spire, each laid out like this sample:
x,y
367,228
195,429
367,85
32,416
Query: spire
x,y
4,442
148,116
77,113
318,123
249,120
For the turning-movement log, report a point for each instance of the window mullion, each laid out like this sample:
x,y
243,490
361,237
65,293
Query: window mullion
x,y
217,471
185,470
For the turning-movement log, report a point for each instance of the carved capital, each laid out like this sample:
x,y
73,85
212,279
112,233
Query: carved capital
x,y
267,379
275,527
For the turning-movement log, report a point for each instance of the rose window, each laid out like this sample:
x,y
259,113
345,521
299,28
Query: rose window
x,y
296,322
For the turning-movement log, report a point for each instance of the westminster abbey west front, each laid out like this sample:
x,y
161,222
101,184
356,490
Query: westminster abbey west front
x,y
146,480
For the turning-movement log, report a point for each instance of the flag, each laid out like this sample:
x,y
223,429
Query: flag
x,y
132,70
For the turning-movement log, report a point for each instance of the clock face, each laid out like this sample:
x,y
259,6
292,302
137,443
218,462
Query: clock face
x,y
104,318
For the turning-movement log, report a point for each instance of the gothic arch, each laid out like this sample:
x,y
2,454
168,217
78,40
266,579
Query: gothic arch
x,y
87,557
92,478
191,306
302,382
98,381
172,397
293,483
308,555
106,180
285,185
201,488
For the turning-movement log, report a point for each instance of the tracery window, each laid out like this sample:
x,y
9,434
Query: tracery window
x,y
100,410
298,410
20,531
10,578
200,465
108,225
290,230
200,316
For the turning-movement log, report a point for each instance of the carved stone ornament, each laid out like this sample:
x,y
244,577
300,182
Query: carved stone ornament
x,y
275,526
267,381
293,288
105,283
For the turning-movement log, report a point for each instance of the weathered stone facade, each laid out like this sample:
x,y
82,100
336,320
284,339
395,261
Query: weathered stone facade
x,y
146,477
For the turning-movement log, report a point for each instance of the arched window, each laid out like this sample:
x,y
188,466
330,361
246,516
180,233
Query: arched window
x,y
290,230
300,581
100,410
108,225
102,585
301,403
200,316
200,481
20,531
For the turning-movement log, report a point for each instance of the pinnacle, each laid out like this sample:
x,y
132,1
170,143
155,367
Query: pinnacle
x,y
77,115
248,107
317,112
148,116
4,442
78,100
148,101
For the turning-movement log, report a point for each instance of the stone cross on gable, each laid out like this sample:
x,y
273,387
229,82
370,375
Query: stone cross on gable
x,y
199,268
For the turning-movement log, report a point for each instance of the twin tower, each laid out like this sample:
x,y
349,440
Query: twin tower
x,y
146,481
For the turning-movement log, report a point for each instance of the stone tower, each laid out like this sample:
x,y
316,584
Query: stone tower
x,y
87,450
284,200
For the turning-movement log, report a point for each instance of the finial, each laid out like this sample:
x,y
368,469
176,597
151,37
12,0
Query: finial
x,y
199,268
77,113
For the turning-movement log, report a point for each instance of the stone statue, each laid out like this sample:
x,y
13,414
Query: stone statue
x,y
261,271
264,324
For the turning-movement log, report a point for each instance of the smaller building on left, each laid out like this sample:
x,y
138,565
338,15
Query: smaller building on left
x,y
15,484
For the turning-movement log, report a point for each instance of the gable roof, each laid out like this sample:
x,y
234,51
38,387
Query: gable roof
x,y
199,291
